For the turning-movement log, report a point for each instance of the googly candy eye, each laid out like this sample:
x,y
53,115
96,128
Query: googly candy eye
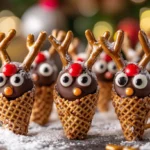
x,y
16,80
112,67
100,66
84,80
2,79
121,79
66,80
140,81
45,69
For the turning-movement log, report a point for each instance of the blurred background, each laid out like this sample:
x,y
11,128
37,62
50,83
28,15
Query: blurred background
x,y
32,16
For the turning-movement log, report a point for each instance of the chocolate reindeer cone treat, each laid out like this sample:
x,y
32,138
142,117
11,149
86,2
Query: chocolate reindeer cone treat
x,y
16,86
44,74
105,69
76,89
131,94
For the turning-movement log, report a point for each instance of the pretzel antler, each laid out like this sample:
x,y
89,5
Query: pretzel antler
x,y
113,49
33,47
146,47
4,42
62,47
96,48
73,48
59,35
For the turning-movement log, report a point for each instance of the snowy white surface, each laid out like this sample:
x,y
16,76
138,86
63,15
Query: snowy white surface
x,y
105,129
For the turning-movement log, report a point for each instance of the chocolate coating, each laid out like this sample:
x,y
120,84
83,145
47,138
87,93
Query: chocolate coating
x,y
140,93
67,92
102,76
44,80
18,91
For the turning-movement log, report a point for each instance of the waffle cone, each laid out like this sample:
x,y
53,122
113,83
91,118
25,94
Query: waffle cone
x,y
104,96
15,114
42,105
132,113
76,116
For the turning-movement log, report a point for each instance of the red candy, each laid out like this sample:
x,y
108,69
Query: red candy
x,y
131,70
40,58
107,58
75,69
9,69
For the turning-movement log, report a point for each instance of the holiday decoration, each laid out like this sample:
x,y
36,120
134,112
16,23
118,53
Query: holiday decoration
x,y
45,15
131,27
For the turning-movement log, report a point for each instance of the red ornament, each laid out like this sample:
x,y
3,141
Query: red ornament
x,y
107,58
75,69
131,27
80,59
9,69
40,58
131,70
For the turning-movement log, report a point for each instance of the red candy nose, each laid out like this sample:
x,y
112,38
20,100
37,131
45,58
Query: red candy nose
x,y
107,58
131,70
108,75
75,69
40,58
9,69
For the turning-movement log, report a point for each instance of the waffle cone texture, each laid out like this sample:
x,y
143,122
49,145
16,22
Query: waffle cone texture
x,y
42,105
15,114
104,96
132,113
76,116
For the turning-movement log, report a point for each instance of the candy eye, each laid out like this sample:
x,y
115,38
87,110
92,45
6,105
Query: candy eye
x,y
16,80
2,79
45,69
112,67
140,81
121,79
84,80
66,80
100,66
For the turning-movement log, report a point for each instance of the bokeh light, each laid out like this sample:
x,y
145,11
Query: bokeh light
x,y
7,23
100,27
145,20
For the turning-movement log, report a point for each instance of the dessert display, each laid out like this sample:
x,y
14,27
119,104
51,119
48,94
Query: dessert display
x,y
131,87
44,74
16,86
76,89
